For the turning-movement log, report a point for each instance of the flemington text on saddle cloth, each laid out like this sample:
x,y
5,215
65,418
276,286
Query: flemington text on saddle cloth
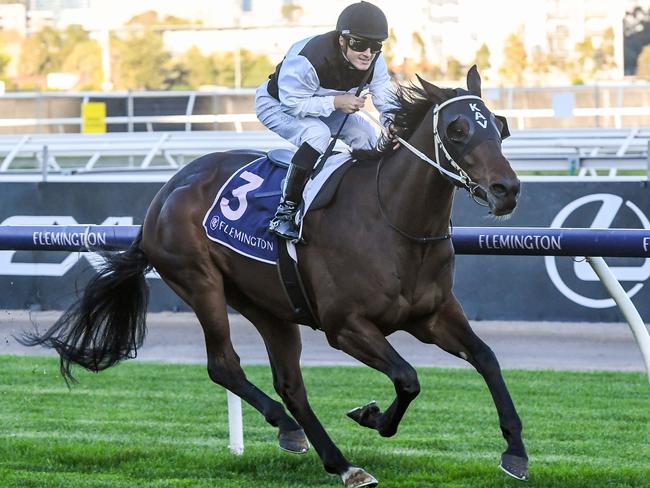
x,y
240,214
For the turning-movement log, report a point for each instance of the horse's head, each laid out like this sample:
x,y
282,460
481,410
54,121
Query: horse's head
x,y
467,140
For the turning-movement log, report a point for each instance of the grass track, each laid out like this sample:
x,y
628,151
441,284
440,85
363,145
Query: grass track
x,y
160,425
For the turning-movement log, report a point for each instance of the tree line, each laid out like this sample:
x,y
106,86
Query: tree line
x,y
139,59
583,63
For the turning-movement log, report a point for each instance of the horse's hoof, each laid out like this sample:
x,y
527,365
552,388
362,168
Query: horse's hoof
x,y
366,415
294,441
515,466
357,477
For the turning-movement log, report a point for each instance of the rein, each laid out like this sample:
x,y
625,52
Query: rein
x,y
382,210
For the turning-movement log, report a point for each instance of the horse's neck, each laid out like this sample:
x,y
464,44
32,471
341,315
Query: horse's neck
x,y
417,196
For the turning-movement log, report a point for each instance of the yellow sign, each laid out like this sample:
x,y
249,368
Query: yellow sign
x,y
93,115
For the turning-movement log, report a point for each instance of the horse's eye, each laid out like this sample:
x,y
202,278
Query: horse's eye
x,y
456,134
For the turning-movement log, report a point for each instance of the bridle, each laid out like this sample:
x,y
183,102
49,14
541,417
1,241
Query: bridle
x,y
460,179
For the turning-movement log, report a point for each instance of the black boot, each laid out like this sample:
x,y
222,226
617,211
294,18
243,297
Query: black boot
x,y
284,222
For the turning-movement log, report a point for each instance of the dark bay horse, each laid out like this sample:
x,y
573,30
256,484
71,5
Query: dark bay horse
x,y
378,259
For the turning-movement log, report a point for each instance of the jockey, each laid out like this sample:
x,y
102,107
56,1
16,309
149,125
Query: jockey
x,y
312,90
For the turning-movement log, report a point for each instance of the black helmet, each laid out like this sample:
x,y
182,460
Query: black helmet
x,y
363,19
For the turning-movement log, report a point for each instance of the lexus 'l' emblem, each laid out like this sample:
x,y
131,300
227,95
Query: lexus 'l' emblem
x,y
609,209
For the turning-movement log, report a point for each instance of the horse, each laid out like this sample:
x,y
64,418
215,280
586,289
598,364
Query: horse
x,y
379,259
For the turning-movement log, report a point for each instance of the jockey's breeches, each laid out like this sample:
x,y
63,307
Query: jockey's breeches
x,y
357,133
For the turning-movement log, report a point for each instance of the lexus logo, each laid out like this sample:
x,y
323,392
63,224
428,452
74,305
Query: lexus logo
x,y
611,207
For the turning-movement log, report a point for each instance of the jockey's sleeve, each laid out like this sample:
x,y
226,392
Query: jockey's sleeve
x,y
381,90
297,86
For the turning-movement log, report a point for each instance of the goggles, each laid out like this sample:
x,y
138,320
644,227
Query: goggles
x,y
360,45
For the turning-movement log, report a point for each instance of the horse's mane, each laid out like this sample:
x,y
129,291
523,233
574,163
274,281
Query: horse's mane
x,y
411,103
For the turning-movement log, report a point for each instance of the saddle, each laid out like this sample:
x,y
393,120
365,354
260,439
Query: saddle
x,y
240,214
325,196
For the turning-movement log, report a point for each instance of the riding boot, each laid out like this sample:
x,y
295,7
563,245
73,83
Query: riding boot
x,y
302,164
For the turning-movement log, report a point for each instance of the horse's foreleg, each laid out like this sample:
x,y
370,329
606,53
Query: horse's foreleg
x,y
362,340
451,331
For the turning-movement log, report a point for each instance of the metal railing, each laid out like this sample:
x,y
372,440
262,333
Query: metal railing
x,y
575,152
52,112
601,106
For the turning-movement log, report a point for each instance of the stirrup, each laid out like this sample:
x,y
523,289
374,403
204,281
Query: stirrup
x,y
286,229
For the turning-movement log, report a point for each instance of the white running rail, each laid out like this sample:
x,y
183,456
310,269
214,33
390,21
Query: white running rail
x,y
580,152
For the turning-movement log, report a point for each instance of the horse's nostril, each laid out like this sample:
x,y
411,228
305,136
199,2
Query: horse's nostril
x,y
506,187
499,190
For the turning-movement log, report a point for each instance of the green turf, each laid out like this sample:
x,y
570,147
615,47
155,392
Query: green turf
x,y
159,425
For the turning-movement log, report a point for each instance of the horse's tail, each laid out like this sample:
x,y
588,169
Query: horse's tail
x,y
107,324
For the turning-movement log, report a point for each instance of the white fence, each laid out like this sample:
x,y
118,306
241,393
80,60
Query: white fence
x,y
600,106
60,112
577,152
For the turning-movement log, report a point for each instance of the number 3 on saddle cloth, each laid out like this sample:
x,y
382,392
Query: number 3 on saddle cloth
x,y
240,215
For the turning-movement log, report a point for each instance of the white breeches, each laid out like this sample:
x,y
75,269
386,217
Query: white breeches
x,y
357,133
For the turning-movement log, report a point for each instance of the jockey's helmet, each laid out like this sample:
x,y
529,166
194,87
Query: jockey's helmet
x,y
363,19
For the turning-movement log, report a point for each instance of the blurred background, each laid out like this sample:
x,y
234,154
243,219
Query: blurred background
x,y
163,44
110,98
568,63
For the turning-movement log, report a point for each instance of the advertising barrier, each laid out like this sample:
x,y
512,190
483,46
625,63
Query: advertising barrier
x,y
555,287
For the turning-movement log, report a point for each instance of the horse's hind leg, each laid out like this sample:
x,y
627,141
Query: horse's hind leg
x,y
284,346
292,437
364,341
203,290
451,331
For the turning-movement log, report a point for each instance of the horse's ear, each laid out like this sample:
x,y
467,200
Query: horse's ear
x,y
505,132
434,93
474,81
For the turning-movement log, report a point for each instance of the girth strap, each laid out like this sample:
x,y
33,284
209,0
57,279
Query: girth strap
x,y
294,288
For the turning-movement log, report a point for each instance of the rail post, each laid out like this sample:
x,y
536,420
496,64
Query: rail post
x,y
235,424
45,159
626,306
647,169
